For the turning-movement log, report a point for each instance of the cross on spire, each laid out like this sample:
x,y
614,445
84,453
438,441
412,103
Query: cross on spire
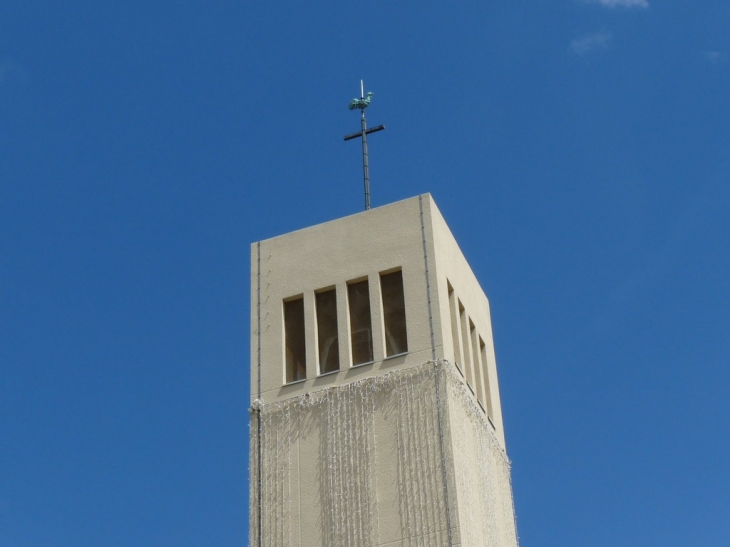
x,y
362,103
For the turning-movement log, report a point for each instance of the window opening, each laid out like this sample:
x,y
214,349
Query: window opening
x,y
454,324
465,345
475,360
361,330
394,313
295,348
328,342
485,369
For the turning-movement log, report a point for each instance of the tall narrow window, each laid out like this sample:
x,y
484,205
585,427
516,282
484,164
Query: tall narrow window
x,y
475,359
465,346
394,313
295,349
454,324
361,330
329,347
485,370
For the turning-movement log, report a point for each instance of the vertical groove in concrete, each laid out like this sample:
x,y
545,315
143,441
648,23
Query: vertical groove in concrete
x,y
258,396
437,371
428,281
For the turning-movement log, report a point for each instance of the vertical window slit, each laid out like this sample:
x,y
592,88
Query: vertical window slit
x,y
361,330
475,360
327,340
485,370
394,313
465,345
295,348
454,323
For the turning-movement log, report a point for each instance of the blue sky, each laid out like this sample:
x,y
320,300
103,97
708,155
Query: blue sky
x,y
580,151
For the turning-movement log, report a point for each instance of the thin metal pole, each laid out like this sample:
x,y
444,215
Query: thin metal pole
x,y
365,168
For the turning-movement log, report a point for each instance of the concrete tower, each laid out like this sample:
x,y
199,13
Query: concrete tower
x,y
375,416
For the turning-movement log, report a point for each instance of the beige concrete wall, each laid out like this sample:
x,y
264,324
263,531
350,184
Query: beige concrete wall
x,y
371,463
392,452
481,473
451,265
330,255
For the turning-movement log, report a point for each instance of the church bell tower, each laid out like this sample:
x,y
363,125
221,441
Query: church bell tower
x,y
375,414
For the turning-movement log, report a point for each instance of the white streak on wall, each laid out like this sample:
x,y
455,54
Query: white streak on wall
x,y
356,433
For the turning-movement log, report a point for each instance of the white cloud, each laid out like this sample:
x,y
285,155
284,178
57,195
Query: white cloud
x,y
712,56
591,42
621,3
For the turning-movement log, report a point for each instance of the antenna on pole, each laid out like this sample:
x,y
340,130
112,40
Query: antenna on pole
x,y
362,103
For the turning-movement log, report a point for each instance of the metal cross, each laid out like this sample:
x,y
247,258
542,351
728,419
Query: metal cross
x,y
362,103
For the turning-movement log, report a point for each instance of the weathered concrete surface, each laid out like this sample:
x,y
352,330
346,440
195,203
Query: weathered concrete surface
x,y
407,450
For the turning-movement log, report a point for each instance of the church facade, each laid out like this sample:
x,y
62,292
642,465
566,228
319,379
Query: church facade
x,y
375,415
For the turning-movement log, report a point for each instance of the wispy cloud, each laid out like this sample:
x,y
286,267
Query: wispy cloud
x,y
620,3
587,43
